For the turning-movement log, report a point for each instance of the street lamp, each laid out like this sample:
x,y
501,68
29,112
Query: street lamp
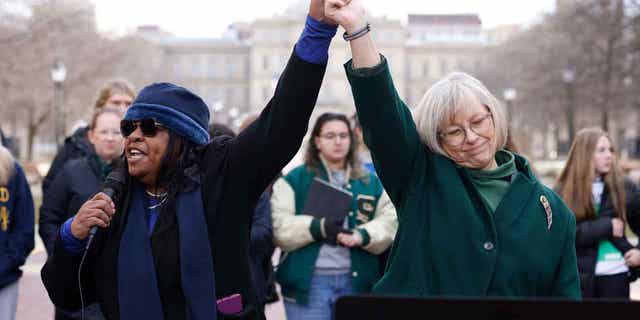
x,y
509,95
58,75
569,77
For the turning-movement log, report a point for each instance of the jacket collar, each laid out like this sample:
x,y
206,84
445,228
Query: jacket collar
x,y
325,172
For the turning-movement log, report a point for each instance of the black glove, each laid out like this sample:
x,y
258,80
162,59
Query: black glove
x,y
332,226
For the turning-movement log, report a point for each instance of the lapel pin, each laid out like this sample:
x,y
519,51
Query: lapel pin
x,y
547,210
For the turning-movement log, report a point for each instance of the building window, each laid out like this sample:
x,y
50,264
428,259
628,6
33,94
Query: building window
x,y
444,68
266,92
265,62
211,67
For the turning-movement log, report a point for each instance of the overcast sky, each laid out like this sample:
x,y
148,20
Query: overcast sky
x,y
209,18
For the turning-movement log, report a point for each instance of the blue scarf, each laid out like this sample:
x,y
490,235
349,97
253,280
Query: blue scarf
x,y
138,293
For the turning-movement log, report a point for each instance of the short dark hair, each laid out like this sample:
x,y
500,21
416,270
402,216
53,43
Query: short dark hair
x,y
219,129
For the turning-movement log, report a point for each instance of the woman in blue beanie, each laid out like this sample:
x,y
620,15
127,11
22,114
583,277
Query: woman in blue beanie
x,y
179,239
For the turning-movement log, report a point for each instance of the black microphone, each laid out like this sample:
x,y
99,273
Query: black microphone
x,y
112,187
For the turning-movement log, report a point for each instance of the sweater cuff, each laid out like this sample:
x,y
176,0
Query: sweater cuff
x,y
313,44
316,229
366,72
69,241
365,237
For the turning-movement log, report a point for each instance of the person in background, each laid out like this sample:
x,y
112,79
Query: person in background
x,y
3,140
327,258
462,200
603,200
362,151
219,129
115,94
16,230
178,247
78,180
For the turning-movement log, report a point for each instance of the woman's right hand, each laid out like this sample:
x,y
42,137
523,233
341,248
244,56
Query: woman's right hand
x,y
350,14
96,211
617,226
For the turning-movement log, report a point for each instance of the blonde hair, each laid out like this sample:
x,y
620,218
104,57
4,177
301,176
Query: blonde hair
x,y
117,86
441,102
7,165
575,181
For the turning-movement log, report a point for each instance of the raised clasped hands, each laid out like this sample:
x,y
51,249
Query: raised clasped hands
x,y
350,14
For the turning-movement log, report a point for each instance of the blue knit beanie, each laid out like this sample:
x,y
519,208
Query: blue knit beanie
x,y
175,107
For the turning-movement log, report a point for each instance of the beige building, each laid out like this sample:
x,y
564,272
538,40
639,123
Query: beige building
x,y
236,74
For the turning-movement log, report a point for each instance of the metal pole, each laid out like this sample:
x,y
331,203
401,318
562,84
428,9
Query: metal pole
x,y
57,105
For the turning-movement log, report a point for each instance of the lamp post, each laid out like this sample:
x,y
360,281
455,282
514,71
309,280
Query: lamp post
x,y
58,75
510,94
569,77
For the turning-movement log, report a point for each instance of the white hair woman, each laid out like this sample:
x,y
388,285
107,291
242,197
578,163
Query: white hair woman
x,y
473,218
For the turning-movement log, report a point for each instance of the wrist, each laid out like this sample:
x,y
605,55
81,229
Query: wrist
x,y
76,231
354,26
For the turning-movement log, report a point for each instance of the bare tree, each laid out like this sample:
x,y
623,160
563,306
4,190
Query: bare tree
x,y
62,30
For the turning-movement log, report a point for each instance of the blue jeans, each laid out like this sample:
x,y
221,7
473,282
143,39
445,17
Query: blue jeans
x,y
323,293
9,301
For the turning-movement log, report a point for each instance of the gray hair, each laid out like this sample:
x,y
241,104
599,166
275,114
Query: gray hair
x,y
441,102
7,166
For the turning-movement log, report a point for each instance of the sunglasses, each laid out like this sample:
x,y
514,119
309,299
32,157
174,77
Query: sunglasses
x,y
149,127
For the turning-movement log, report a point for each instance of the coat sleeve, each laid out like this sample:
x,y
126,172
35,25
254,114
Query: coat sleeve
x,y
379,233
53,211
591,232
633,207
387,125
290,231
64,154
262,229
567,281
20,236
60,277
262,149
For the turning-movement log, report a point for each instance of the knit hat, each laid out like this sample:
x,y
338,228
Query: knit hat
x,y
175,107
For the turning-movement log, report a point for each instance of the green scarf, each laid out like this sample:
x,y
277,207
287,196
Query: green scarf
x,y
105,168
492,185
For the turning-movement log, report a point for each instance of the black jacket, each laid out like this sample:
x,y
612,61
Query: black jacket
x,y
261,248
77,181
589,233
234,173
74,147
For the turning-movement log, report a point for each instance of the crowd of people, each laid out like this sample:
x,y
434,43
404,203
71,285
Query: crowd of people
x,y
422,202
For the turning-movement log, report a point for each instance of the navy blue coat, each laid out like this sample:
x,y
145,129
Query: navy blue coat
x,y
16,226
261,246
76,183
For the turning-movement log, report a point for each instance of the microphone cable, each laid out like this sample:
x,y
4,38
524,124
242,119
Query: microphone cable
x,y
84,255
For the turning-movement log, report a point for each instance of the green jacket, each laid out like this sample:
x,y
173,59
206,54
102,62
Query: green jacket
x,y
372,214
448,244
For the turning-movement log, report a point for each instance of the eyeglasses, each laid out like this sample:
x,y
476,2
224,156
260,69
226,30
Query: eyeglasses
x,y
456,135
333,136
107,132
149,127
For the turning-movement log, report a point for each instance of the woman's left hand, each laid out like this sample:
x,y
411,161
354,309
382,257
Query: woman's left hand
x,y
632,257
350,240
